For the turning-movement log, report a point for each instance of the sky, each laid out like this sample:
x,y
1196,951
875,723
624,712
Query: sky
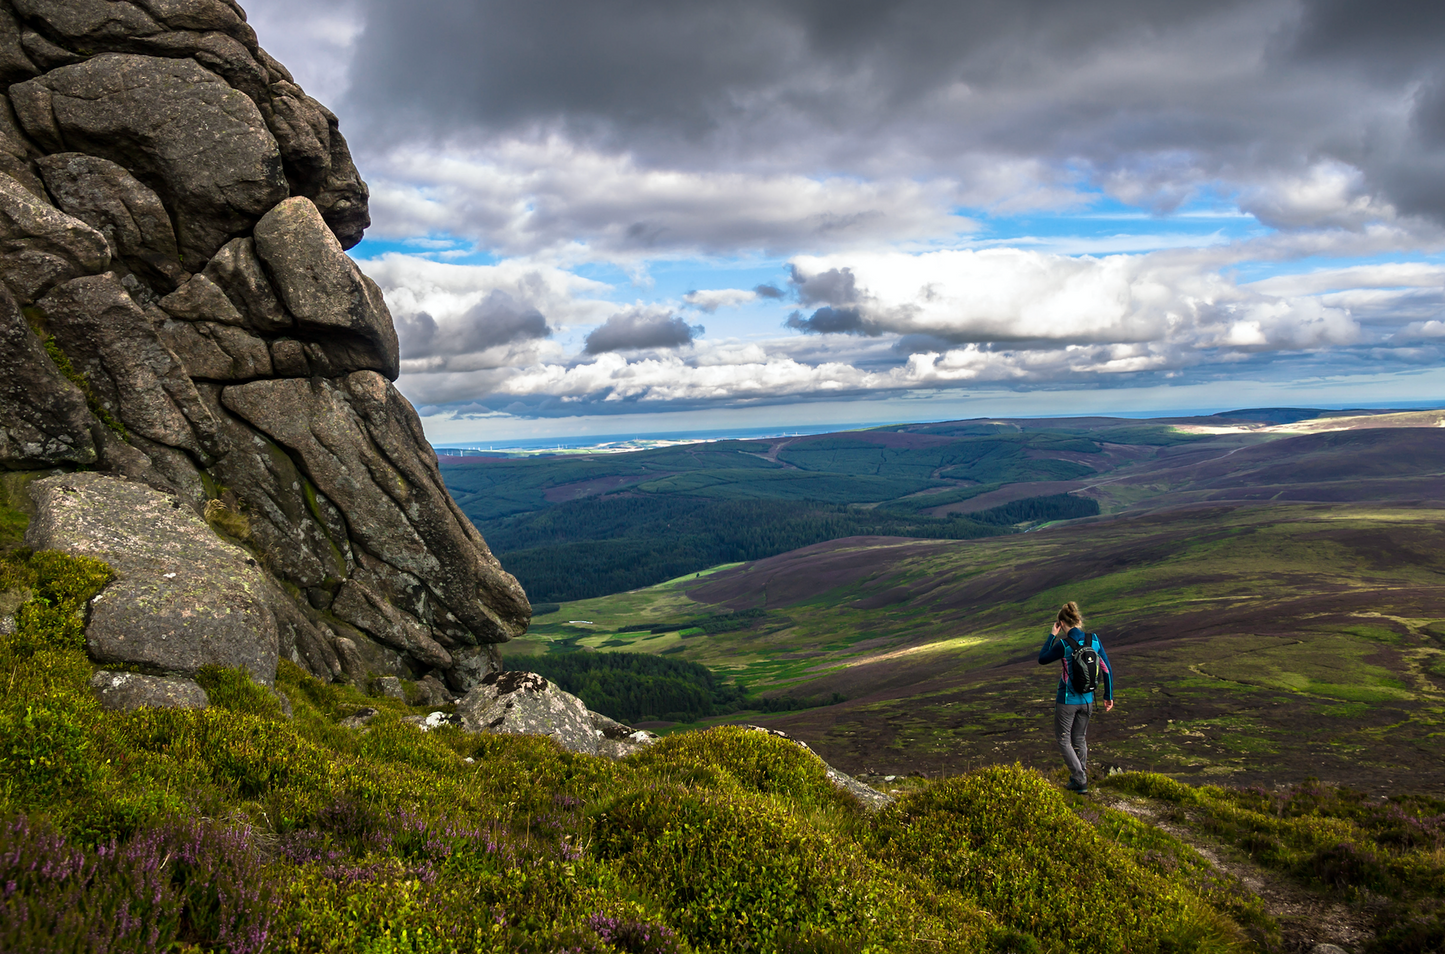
x,y
641,216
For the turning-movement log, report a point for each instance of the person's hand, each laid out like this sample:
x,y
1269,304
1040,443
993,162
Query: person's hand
x,y
1108,705
1057,626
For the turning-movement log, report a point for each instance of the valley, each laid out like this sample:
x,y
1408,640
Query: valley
x,y
1271,597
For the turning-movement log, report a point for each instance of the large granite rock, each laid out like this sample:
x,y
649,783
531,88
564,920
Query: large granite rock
x,y
325,291
181,599
174,211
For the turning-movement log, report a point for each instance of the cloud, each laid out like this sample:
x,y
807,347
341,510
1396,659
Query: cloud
x,y
833,321
880,151
498,319
554,196
1013,105
712,299
447,291
641,328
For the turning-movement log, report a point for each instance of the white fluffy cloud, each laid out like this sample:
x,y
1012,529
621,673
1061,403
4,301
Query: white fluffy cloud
x,y
1010,295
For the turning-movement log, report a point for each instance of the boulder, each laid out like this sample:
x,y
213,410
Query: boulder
x,y
217,352
126,691
324,291
616,740
110,200
41,246
432,720
317,159
182,597
433,691
352,665
44,421
202,145
472,664
359,719
524,703
201,299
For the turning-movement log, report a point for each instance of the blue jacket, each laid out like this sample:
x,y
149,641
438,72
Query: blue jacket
x,y
1055,650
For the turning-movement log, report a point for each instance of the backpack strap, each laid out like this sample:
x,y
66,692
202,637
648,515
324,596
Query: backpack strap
x,y
1073,644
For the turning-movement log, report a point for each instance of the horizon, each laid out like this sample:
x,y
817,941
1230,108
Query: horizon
x,y
588,441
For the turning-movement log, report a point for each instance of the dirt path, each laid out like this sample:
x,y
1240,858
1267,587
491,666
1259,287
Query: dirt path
x,y
1306,918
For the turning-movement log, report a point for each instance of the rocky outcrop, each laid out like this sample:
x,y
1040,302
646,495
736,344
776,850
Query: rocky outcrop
x,y
177,309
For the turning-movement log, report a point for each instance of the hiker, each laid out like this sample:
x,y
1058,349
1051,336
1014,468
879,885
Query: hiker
x,y
1085,669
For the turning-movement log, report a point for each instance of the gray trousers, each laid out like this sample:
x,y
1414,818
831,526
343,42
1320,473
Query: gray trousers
x,y
1071,729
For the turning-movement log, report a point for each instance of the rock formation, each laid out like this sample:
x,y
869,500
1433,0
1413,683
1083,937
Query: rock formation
x,y
179,317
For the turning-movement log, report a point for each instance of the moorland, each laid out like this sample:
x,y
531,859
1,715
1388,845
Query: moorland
x,y
1269,584
1273,593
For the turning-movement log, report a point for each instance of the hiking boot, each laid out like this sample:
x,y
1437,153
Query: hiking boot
x,y
1073,786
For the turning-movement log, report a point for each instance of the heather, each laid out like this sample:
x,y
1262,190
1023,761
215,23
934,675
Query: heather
x,y
1385,856
236,829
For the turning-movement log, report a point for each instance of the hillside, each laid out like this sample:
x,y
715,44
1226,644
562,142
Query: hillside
x,y
270,822
579,525
1264,630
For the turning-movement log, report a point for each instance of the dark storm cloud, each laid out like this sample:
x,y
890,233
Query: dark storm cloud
x,y
767,291
498,319
836,286
1153,100
832,321
637,329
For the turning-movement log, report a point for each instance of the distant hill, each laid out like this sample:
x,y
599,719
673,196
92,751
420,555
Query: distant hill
x,y
578,526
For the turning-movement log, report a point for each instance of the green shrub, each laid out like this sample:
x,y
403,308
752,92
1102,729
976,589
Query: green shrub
x,y
753,760
46,749
739,872
1007,837
60,586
